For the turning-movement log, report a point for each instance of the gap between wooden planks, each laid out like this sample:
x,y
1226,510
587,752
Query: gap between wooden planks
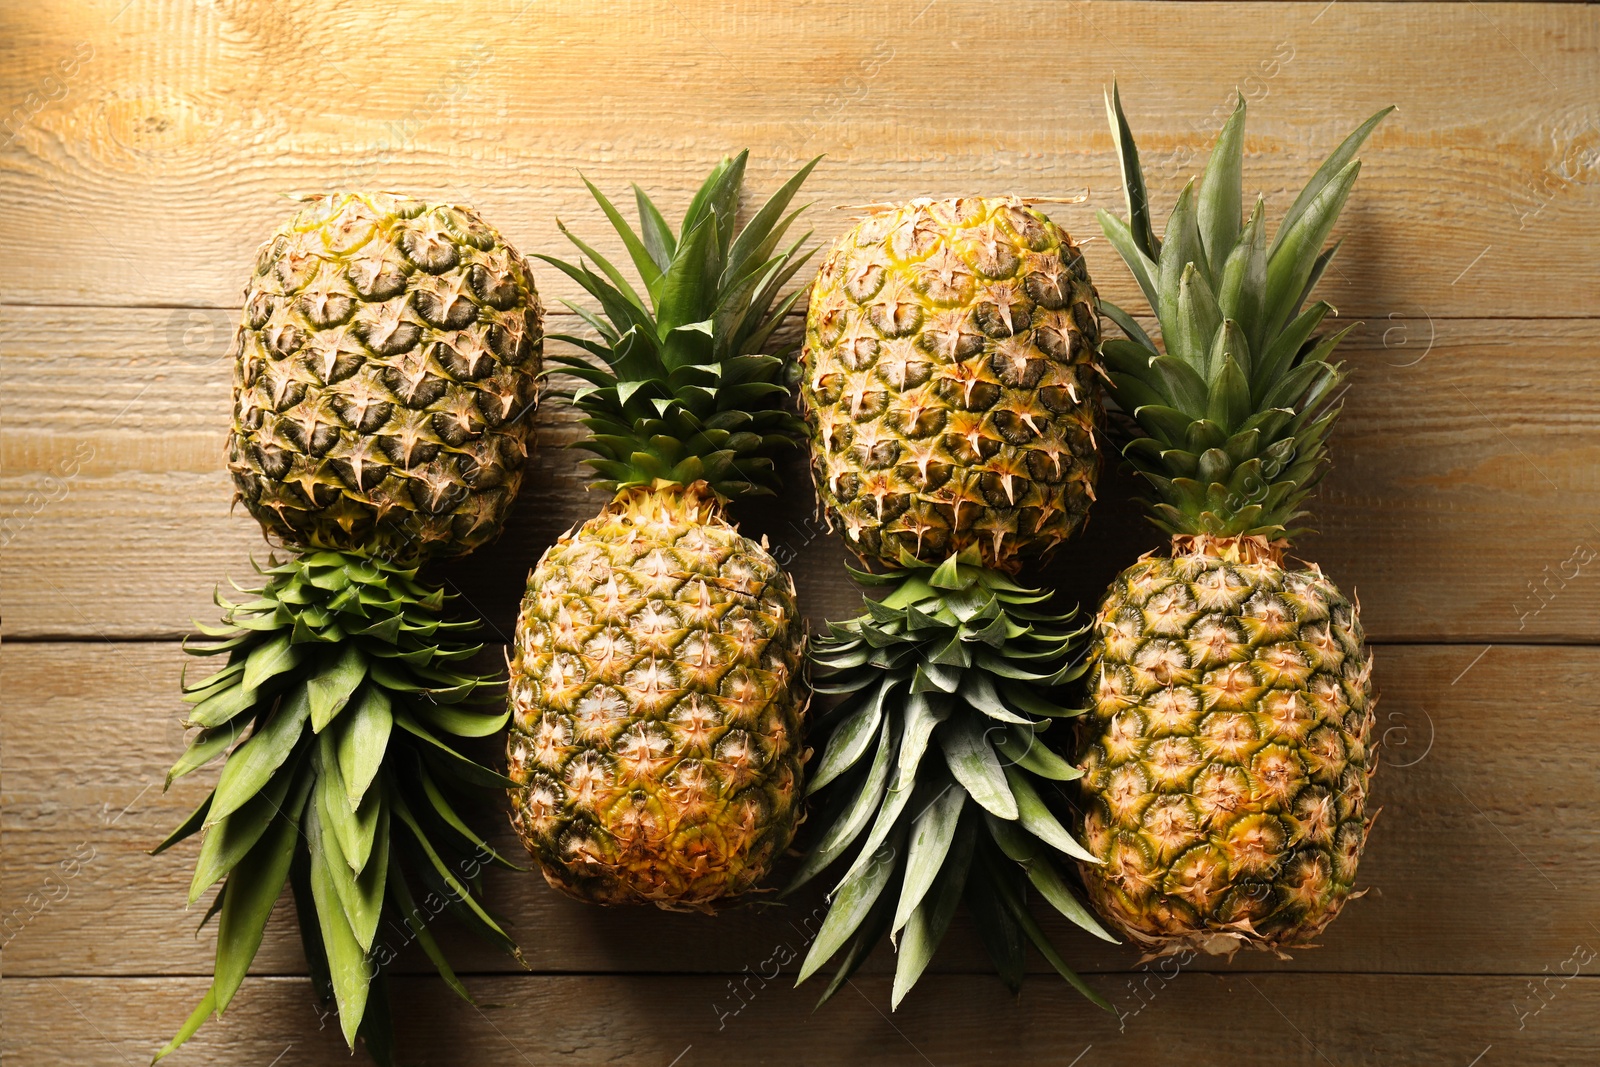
x,y
1464,483
1480,816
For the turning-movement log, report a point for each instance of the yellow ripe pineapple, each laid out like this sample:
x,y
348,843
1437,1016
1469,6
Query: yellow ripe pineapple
x,y
1226,754
951,382
948,375
658,683
385,370
389,354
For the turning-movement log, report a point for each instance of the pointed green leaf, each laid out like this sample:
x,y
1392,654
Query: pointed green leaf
x,y
187,828
417,924
849,740
190,1027
253,888
927,924
363,741
850,905
252,764
1139,221
972,760
232,837
451,761
1221,192
1039,821
1330,169
348,966
933,830
330,687
269,660
854,818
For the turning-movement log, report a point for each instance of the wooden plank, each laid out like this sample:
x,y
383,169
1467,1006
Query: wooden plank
x,y
156,165
1458,508
1288,1020
1481,862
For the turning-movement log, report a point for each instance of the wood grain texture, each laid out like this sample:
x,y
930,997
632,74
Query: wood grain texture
x,y
158,164
1285,1020
1461,506
145,149
1481,816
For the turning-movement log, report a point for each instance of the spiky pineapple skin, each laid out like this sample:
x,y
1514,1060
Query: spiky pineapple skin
x,y
385,369
657,695
1226,754
948,381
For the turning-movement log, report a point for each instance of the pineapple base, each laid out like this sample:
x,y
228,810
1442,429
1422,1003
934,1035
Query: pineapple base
x,y
1225,756
657,697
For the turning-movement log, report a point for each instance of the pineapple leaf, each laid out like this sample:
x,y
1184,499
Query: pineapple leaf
x,y
1298,245
654,231
1018,746
1140,226
329,689
1125,322
252,891
1144,268
417,925
761,233
842,833
206,746
850,739
231,838
926,926
933,831
1335,164
1037,818
453,762
1230,390
253,763
461,723
447,814
997,928
354,829
624,288
191,1025
459,891
188,828
347,961
1195,326
643,261
973,762
850,904
866,939
1180,251
1222,192
360,895
363,742
1030,928
686,289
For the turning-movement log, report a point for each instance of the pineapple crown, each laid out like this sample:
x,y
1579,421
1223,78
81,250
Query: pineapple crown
x,y
1236,412
688,387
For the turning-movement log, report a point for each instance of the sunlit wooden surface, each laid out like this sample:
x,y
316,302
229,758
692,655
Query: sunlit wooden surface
x,y
145,154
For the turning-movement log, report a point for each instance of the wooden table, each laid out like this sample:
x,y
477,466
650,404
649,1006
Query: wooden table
x,y
146,150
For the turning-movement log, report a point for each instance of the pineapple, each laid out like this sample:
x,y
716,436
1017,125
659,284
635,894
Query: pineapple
x,y
1226,755
950,379
950,347
657,682
388,357
387,361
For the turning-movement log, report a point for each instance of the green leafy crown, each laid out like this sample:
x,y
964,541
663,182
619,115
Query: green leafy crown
x,y
337,714
1236,412
940,788
688,386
